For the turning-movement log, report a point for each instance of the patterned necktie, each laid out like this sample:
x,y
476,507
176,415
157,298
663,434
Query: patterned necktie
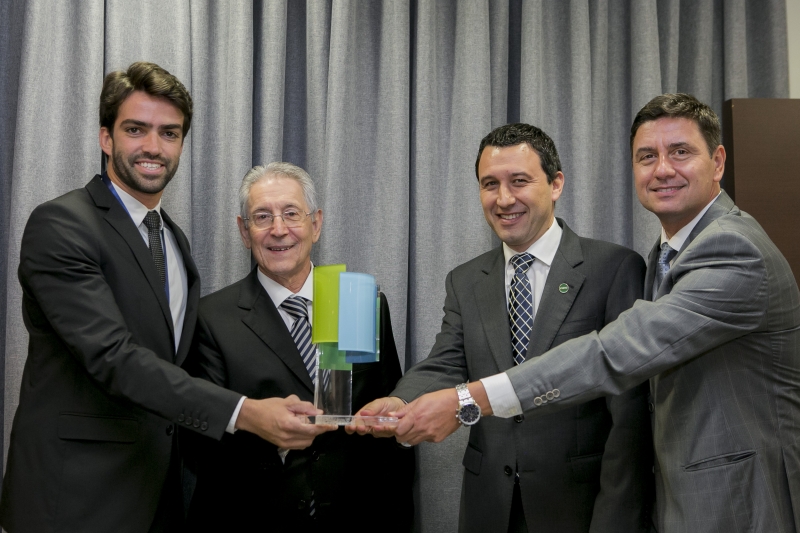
x,y
301,332
664,257
520,306
153,222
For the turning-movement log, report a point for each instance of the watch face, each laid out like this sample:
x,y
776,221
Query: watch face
x,y
469,414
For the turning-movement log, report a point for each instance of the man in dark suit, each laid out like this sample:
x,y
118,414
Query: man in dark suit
x,y
110,296
245,343
586,468
720,342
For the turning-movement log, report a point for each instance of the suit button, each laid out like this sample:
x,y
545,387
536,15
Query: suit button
x,y
651,407
537,401
556,393
204,426
507,470
180,417
518,419
188,420
196,423
170,430
550,395
315,455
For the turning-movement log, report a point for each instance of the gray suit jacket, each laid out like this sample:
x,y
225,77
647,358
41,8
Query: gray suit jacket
x,y
722,346
586,467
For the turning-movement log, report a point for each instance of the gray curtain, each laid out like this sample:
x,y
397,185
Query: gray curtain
x,y
384,102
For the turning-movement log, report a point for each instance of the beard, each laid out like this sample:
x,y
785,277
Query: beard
x,y
127,173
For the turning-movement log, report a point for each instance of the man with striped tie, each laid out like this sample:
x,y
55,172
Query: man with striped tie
x,y
255,338
584,468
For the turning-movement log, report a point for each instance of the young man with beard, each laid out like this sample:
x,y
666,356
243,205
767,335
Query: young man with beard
x,y
110,296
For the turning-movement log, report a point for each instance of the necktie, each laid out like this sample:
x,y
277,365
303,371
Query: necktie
x,y
153,222
664,257
301,332
520,304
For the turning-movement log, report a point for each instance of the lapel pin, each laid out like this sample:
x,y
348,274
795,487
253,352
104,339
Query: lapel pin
x,y
563,288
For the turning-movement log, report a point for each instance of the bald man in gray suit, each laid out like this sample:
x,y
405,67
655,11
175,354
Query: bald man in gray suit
x,y
718,334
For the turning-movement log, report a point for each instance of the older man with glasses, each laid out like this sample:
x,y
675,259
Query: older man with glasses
x,y
254,336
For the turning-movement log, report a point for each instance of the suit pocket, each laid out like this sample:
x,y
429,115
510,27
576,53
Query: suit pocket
x,y
720,460
586,468
76,426
578,327
472,459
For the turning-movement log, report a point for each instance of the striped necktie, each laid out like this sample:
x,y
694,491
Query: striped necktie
x,y
301,332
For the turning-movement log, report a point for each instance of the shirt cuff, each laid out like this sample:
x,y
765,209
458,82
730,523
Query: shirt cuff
x,y
232,424
502,396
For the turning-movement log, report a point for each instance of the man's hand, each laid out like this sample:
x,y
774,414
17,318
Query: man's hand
x,y
275,420
380,407
432,416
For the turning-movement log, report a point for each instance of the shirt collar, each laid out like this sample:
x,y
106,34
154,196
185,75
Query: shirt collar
x,y
278,293
136,209
545,247
677,241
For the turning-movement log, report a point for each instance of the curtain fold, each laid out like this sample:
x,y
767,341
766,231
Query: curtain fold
x,y
384,102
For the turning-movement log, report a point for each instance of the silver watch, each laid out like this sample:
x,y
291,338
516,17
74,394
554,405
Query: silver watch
x,y
468,412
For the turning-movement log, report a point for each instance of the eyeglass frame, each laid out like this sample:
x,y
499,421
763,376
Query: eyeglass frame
x,y
274,216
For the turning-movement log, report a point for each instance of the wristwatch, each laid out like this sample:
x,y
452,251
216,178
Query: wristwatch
x,y
468,412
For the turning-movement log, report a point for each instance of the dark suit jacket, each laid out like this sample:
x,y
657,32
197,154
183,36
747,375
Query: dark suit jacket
x,y
101,389
588,465
360,483
721,343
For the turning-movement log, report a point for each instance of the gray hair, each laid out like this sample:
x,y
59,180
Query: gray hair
x,y
287,170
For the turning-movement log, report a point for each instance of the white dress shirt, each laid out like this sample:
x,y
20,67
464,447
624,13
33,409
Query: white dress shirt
x,y
499,390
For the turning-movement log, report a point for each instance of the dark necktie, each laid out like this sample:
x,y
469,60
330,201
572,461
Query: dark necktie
x,y
301,332
664,257
153,222
520,306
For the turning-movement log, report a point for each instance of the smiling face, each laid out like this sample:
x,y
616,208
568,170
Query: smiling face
x,y
674,175
517,201
283,254
145,147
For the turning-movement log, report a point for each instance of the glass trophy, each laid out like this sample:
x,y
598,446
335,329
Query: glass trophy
x,y
346,330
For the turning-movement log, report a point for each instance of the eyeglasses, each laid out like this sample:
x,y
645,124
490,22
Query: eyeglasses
x,y
292,218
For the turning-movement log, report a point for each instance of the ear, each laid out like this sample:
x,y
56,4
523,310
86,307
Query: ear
x,y
316,225
557,185
106,141
719,162
243,232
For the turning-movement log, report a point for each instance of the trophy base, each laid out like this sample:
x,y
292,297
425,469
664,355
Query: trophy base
x,y
346,420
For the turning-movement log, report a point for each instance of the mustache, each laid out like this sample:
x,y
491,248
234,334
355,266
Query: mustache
x,y
146,155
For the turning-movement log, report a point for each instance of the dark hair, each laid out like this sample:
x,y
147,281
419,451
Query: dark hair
x,y
147,77
681,105
514,134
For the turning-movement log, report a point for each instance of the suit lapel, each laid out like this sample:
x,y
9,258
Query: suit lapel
x,y
493,310
192,290
555,305
720,207
120,220
266,322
